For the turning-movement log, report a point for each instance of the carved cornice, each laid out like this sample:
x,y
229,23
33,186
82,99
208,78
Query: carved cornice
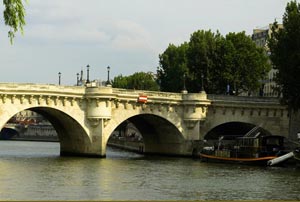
x,y
33,99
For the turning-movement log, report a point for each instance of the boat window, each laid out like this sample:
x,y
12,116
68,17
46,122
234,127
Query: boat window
x,y
246,142
256,143
273,141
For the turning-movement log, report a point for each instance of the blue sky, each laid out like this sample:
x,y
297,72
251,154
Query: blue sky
x,y
128,35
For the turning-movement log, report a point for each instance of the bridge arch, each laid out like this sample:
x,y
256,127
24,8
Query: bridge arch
x,y
71,133
72,136
7,133
159,134
232,129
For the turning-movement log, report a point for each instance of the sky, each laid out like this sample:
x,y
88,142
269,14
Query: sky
x,y
127,35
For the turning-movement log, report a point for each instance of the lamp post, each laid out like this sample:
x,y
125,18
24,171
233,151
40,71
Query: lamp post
x,y
77,79
59,78
88,74
108,69
184,91
202,83
184,87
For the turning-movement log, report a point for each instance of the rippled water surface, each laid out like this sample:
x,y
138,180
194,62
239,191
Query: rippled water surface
x,y
35,171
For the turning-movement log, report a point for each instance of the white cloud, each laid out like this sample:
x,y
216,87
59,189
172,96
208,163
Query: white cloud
x,y
66,22
128,43
50,33
130,36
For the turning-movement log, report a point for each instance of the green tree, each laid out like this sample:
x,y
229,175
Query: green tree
x,y
172,67
284,46
120,82
215,61
244,64
201,55
142,81
138,81
223,66
14,16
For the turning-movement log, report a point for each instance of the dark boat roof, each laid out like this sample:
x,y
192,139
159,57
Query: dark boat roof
x,y
253,135
256,132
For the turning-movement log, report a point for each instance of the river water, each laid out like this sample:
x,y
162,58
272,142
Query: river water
x,y
35,171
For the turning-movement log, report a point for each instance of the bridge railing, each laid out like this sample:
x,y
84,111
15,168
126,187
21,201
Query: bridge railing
x,y
214,97
80,90
32,87
148,93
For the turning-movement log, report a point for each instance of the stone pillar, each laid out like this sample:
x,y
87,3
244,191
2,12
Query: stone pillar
x,y
98,114
194,108
194,114
98,143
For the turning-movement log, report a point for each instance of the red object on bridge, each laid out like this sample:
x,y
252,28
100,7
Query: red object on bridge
x,y
142,98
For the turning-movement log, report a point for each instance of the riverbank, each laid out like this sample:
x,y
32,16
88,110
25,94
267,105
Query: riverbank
x,y
134,146
35,139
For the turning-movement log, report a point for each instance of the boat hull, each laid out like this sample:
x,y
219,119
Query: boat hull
x,y
255,161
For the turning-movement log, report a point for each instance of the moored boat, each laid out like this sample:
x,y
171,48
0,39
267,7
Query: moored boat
x,y
252,148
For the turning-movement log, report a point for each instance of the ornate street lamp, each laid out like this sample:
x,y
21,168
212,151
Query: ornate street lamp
x,y
108,69
202,83
184,77
88,74
59,78
77,79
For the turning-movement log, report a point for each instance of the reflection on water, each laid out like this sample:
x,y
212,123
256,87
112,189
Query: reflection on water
x,y
35,171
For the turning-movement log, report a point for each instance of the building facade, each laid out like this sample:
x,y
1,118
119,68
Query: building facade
x,y
260,37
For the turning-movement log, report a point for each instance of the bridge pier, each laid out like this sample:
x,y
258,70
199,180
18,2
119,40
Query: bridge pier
x,y
168,136
92,146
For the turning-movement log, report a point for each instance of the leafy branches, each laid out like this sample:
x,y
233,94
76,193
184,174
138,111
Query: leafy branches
x,y
284,45
14,16
138,81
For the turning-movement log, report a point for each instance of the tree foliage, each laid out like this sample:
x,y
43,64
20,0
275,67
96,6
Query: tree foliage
x,y
172,68
14,16
245,64
137,81
284,45
215,61
201,56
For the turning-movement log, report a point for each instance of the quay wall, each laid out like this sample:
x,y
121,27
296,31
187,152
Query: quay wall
x,y
127,145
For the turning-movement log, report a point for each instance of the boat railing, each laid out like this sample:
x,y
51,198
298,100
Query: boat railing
x,y
252,131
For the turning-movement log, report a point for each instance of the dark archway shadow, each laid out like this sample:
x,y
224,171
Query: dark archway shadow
x,y
232,129
158,134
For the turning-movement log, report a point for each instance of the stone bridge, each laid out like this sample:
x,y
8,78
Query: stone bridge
x,y
84,117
